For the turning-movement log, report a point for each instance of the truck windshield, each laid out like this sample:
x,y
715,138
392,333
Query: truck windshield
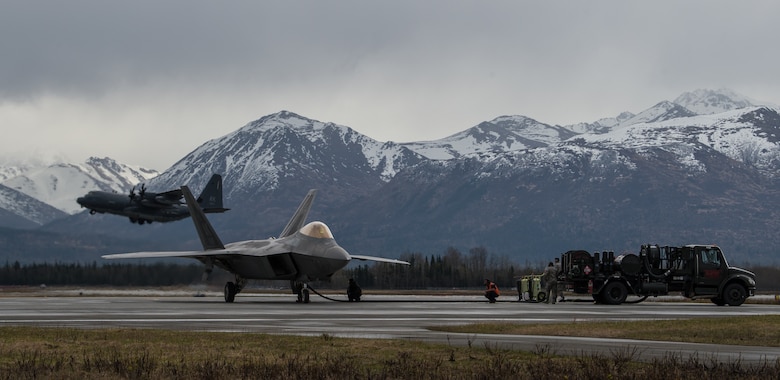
x,y
711,257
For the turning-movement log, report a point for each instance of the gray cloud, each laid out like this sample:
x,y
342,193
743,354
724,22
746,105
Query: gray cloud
x,y
177,73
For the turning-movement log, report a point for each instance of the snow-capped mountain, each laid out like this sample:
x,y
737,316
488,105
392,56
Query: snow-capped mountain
x,y
699,102
660,112
746,135
509,178
668,174
268,153
22,211
707,102
59,184
11,170
502,134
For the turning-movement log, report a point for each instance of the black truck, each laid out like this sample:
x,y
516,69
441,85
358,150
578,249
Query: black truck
x,y
696,271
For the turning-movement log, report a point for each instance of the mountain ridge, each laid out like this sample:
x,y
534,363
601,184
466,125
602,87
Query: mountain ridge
x,y
513,184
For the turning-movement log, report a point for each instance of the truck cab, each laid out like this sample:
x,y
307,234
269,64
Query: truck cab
x,y
713,278
698,271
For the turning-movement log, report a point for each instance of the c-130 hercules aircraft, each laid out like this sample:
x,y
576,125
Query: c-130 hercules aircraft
x,y
301,253
147,207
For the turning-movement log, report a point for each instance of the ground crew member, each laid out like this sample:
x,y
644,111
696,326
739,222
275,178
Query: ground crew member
x,y
550,278
353,291
491,291
557,265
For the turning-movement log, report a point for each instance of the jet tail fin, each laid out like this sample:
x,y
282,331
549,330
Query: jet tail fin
x,y
297,220
210,200
208,237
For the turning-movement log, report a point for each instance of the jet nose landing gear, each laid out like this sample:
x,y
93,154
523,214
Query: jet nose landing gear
x,y
302,290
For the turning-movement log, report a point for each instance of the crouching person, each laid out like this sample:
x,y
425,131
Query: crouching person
x,y
491,291
353,291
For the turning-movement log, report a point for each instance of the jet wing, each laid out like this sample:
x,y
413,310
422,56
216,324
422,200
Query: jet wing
x,y
169,197
269,248
162,254
379,259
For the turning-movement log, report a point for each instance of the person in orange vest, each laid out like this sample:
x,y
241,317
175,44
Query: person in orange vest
x,y
491,291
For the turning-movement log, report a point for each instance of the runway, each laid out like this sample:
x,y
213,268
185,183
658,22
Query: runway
x,y
382,317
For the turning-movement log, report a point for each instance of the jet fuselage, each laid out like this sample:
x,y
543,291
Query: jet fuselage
x,y
307,255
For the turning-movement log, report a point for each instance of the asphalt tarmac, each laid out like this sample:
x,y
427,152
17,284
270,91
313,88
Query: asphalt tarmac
x,y
381,316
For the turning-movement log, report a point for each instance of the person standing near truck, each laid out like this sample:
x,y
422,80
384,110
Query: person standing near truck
x,y
550,279
557,265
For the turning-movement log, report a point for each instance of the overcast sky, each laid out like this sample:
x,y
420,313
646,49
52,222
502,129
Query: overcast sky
x,y
146,82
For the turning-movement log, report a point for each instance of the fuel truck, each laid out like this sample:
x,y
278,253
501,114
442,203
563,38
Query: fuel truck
x,y
695,271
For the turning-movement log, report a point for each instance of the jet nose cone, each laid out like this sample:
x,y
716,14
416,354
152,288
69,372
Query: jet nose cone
x,y
336,252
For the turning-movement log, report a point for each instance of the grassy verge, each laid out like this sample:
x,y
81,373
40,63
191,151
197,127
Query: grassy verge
x,y
28,353
750,330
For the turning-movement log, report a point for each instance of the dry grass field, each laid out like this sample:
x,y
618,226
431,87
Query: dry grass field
x,y
60,353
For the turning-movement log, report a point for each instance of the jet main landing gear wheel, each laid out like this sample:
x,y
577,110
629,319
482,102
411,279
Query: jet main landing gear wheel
x,y
230,292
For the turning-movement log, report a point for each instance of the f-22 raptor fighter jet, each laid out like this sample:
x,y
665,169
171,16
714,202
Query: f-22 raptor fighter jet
x,y
302,253
147,207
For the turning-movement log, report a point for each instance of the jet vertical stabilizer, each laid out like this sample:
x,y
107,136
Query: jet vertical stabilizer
x,y
210,199
297,220
208,237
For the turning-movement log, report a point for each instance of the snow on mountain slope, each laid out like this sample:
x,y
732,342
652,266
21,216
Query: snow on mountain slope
x,y
26,207
705,102
601,125
508,176
13,168
60,184
699,102
260,154
735,134
502,134
662,111
285,146
119,176
55,185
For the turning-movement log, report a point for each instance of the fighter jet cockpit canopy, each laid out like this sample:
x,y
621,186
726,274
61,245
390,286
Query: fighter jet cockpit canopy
x,y
317,230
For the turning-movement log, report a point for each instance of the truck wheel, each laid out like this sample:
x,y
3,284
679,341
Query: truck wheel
x,y
734,294
614,293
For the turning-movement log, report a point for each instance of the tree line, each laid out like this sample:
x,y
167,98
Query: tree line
x,y
448,270
452,269
114,274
